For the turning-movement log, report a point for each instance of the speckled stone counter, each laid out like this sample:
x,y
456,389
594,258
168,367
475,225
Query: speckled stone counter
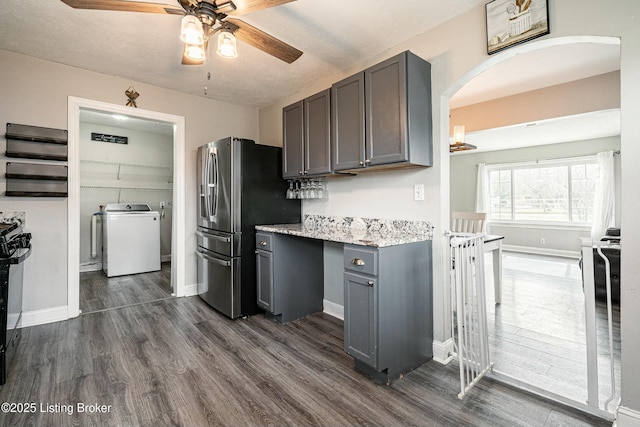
x,y
358,231
11,217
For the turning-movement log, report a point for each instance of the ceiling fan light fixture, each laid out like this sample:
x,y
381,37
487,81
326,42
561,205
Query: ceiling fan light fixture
x,y
191,31
194,52
227,44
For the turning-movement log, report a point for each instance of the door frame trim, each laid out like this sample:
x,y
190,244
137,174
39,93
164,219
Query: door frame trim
x,y
178,233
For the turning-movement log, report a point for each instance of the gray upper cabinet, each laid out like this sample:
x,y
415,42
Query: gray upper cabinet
x,y
293,140
381,117
307,137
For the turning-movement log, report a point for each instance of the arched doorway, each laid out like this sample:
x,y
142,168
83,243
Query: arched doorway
x,y
499,59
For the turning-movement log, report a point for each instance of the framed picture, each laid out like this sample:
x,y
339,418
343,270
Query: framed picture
x,y
510,22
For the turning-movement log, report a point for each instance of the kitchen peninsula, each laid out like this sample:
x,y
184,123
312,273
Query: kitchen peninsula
x,y
387,269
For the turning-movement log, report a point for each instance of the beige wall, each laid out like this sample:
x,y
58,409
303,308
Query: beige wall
x,y
35,92
581,96
456,56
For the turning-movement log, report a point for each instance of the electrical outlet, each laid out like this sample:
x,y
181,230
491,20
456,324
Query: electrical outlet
x,y
542,241
418,192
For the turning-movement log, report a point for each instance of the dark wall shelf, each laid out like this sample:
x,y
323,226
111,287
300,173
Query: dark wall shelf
x,y
36,179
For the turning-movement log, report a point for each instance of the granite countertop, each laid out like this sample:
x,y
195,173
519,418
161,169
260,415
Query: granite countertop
x,y
358,231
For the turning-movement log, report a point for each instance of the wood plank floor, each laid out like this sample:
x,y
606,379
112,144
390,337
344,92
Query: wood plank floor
x,y
537,334
176,362
99,292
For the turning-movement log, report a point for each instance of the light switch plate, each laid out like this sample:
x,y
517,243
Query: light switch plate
x,y
418,192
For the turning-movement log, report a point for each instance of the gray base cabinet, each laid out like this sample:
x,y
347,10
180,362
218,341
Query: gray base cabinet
x,y
388,324
290,276
381,117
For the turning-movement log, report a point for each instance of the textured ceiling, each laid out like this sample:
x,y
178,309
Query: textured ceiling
x,y
333,34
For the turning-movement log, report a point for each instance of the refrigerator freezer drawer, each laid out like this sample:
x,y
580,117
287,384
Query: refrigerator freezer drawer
x,y
220,243
219,282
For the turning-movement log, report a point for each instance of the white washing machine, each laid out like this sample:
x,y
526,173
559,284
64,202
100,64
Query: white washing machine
x,y
130,239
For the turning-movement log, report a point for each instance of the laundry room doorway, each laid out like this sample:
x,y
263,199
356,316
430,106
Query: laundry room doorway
x,y
128,171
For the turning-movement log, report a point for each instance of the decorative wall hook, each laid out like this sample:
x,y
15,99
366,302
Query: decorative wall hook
x,y
132,95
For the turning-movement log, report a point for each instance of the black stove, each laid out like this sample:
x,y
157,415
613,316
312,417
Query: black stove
x,y
15,247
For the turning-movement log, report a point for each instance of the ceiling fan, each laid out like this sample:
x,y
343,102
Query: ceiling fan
x,y
203,19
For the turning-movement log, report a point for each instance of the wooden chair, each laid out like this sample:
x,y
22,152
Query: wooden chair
x,y
468,222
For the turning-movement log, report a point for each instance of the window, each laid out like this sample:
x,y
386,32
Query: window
x,y
556,191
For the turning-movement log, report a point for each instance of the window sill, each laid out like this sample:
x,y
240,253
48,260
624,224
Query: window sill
x,y
541,225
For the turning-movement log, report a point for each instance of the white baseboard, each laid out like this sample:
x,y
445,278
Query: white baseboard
x,y
443,351
333,309
627,417
542,251
90,266
47,315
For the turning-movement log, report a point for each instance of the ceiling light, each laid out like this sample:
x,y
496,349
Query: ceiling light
x,y
191,31
194,52
458,140
227,44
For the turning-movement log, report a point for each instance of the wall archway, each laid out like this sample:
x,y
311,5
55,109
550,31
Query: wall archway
x,y
485,65
507,54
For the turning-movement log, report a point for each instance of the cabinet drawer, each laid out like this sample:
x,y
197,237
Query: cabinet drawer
x,y
264,241
361,259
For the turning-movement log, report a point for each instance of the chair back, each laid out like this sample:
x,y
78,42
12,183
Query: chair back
x,y
468,222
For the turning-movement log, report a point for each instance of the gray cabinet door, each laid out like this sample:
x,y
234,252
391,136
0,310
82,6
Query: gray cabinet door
x,y
386,112
264,275
293,140
317,134
360,323
347,123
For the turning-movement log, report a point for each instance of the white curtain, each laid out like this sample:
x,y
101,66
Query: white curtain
x,y
604,199
482,190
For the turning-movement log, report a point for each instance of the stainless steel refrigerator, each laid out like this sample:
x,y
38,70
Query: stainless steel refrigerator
x,y
240,186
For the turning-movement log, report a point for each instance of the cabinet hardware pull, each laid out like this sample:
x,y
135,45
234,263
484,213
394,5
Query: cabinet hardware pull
x,y
367,161
263,243
357,261
370,283
361,163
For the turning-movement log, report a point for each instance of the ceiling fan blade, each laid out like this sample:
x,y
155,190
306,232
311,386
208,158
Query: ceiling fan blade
x,y
248,6
124,6
263,41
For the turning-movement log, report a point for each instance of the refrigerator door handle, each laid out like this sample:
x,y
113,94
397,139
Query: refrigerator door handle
x,y
215,260
205,184
213,236
214,155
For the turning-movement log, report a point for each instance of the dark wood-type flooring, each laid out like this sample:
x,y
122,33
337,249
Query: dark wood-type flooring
x,y
178,362
99,292
537,334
